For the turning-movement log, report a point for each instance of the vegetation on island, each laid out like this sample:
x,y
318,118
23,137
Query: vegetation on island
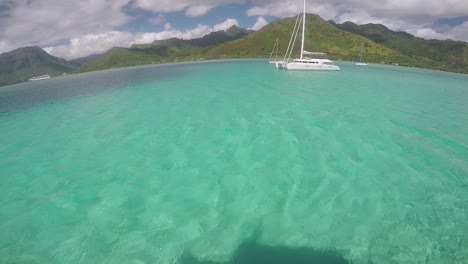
x,y
339,41
445,55
342,44
161,51
21,64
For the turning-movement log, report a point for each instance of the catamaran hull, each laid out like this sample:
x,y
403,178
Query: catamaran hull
x,y
39,78
278,64
310,67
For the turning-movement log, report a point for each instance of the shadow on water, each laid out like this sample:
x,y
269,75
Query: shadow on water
x,y
250,252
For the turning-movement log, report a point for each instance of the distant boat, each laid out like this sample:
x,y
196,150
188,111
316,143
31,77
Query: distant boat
x,y
319,63
361,63
38,78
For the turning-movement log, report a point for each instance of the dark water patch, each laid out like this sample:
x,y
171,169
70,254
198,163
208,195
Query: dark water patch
x,y
252,252
29,94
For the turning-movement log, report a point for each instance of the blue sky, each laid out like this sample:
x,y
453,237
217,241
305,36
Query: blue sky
x,y
143,20
73,29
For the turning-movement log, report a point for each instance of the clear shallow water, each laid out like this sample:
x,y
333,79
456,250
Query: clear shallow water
x,y
142,165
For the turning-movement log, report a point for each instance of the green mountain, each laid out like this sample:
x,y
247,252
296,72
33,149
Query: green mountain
x,y
321,36
173,49
83,60
443,54
211,39
339,42
21,64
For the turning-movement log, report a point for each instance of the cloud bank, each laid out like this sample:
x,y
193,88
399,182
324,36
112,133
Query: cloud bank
x,y
413,16
78,28
100,43
261,22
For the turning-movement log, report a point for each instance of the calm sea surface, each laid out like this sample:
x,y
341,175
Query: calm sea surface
x,y
209,161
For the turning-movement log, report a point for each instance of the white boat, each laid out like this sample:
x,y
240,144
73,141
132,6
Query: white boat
x,y
361,63
38,78
318,63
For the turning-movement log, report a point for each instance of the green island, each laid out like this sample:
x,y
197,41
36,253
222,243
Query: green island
x,y
339,41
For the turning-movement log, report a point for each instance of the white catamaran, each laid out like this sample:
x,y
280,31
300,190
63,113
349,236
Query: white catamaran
x,y
39,78
318,63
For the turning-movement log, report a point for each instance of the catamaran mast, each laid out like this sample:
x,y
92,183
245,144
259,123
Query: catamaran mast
x,y
362,50
303,29
277,46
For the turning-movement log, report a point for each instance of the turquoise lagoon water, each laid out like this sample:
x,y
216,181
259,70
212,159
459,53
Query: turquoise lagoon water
x,y
146,164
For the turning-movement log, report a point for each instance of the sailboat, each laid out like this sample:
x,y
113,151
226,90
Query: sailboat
x,y
271,54
319,63
361,63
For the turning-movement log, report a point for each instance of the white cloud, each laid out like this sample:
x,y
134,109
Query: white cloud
x,y
282,9
258,11
427,33
261,22
167,27
192,6
226,24
158,20
459,32
47,22
100,43
198,10
414,16
91,44
412,10
30,22
163,6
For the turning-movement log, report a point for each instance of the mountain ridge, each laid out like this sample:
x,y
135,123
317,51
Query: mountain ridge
x,y
23,63
159,51
340,41
448,55
321,36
